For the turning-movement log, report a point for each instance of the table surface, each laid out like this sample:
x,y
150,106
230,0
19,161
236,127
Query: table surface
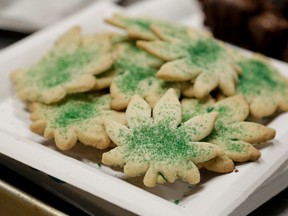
x,y
278,205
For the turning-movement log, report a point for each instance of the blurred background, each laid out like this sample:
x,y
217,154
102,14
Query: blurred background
x,y
258,25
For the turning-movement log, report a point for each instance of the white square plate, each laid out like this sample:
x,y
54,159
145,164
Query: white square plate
x,y
215,195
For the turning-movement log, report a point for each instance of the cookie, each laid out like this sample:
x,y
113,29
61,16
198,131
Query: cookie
x,y
68,67
77,117
157,146
263,86
231,132
135,74
203,61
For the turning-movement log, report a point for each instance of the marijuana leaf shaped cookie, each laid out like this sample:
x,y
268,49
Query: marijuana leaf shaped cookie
x,y
77,117
263,86
202,60
158,146
234,135
68,67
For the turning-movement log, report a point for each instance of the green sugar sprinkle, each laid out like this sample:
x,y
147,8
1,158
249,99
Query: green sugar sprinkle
x,y
202,108
225,112
236,147
177,201
210,109
198,109
223,136
132,75
257,76
204,53
74,113
76,109
234,139
55,70
160,143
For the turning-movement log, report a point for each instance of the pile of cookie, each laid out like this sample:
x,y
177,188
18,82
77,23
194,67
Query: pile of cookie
x,y
166,100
